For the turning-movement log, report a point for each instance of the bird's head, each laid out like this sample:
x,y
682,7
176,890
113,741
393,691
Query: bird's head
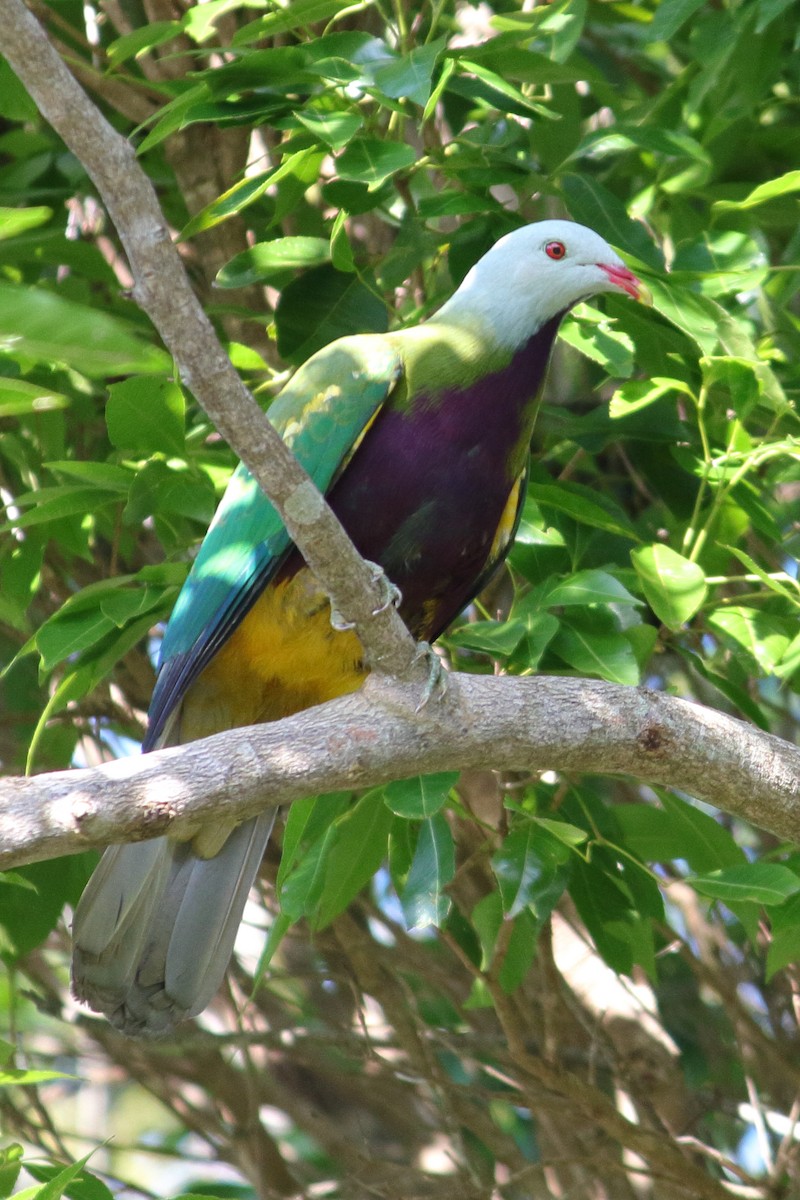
x,y
536,273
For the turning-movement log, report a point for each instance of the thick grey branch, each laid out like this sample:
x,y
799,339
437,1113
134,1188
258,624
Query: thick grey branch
x,y
375,735
163,290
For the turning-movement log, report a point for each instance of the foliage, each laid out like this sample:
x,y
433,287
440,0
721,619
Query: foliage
x,y
333,168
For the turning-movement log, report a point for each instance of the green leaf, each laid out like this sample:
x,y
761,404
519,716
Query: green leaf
x,y
14,221
737,695
487,920
670,16
341,250
706,844
782,186
520,950
160,490
789,661
652,833
674,587
58,1184
594,205
55,503
589,587
603,654
699,317
335,129
107,476
563,831
265,260
45,327
605,907
788,590
410,76
17,397
199,22
371,161
139,41
600,342
10,1166
762,636
421,796
738,377
68,633
27,923
10,1078
305,822
577,503
497,90
321,305
527,874
14,879
784,946
760,883
294,15
637,394
303,887
497,638
540,629
424,900
358,849
302,164
146,416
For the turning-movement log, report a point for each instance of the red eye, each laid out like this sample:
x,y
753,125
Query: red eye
x,y
555,250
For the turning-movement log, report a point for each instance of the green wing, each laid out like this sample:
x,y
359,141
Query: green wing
x,y
321,415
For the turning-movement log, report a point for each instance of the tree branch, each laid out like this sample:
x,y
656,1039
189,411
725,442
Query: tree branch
x,y
163,291
376,735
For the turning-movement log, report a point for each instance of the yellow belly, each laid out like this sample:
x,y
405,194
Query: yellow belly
x,y
285,656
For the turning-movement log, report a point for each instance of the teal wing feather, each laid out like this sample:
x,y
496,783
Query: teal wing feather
x,y
321,415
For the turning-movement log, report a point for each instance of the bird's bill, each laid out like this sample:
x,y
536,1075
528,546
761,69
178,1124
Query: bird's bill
x,y
625,281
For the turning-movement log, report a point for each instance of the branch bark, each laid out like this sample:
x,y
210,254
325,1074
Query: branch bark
x,y
163,291
376,735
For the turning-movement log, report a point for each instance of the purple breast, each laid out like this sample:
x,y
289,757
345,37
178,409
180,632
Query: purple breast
x,y
426,490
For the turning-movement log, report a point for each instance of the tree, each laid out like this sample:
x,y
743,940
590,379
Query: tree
x,y
549,975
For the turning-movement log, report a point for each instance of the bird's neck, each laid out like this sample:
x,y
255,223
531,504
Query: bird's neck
x,y
500,322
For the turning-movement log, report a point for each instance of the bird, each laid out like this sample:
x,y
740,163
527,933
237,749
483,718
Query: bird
x,y
420,440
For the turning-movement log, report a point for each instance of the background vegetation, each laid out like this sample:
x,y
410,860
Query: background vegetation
x,y
571,987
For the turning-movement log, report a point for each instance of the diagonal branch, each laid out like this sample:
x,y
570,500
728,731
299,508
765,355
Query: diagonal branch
x,y
163,291
376,735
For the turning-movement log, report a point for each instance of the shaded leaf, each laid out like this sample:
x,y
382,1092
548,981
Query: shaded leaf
x,y
421,796
423,899
761,883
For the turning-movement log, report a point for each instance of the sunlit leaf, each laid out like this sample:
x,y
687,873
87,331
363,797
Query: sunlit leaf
x,y
674,586
45,327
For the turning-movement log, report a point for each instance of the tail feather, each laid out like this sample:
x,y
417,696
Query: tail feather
x,y
155,928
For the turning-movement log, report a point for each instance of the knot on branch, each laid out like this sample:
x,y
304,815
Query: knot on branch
x,y
653,738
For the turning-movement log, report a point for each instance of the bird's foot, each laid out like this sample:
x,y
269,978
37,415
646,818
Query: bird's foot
x,y
390,596
437,676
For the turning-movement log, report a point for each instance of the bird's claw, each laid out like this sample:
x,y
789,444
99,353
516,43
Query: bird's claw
x,y
339,623
391,596
437,676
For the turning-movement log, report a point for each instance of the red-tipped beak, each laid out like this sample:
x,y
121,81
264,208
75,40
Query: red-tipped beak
x,y
625,281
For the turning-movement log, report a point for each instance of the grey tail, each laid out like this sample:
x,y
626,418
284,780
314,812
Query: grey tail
x,y
154,930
